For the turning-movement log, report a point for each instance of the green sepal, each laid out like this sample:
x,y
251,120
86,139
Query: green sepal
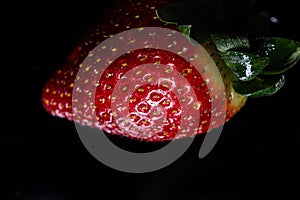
x,y
291,61
176,13
226,42
187,14
283,53
185,29
245,66
259,87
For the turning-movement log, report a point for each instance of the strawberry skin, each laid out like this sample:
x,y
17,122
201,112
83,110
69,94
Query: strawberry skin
x,y
128,14
154,113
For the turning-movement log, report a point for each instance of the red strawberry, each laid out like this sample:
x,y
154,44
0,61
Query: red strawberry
x,y
157,109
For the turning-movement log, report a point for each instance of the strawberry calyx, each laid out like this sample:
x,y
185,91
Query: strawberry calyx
x,y
257,62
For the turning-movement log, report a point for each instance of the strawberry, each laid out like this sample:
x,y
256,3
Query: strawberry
x,y
192,103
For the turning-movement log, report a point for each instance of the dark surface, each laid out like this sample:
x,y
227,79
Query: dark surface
x,y
42,156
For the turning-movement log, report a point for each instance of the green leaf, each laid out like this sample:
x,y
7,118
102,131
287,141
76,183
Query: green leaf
x,y
283,53
291,61
287,64
226,42
185,29
259,87
244,66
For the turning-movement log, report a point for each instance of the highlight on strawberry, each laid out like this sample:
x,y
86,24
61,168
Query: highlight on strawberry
x,y
162,93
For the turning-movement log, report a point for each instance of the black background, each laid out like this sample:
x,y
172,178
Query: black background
x,y
42,156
